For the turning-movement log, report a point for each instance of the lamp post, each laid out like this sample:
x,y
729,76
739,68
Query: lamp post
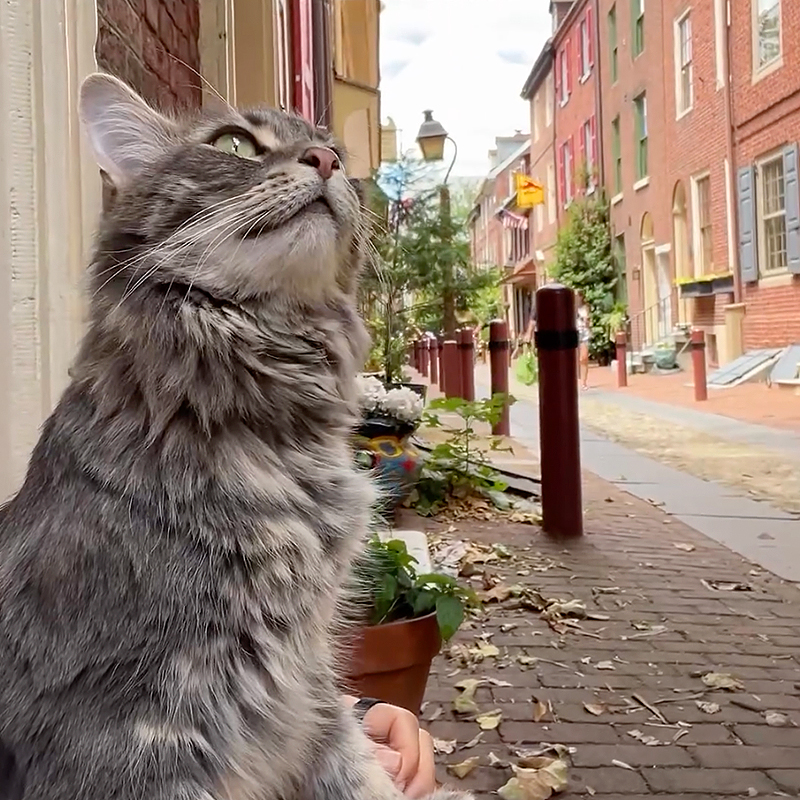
x,y
431,139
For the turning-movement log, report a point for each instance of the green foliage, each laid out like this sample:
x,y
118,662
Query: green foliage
x,y
387,574
457,467
584,262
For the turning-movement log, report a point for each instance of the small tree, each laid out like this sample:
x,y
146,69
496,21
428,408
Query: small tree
x,y
584,262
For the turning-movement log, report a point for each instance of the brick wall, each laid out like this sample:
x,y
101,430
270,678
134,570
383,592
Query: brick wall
x,y
153,46
647,72
766,112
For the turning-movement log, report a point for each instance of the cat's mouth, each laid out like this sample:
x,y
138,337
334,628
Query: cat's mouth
x,y
319,206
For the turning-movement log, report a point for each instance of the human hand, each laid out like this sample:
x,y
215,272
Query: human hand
x,y
403,749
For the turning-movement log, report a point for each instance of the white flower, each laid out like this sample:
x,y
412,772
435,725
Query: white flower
x,y
404,404
371,394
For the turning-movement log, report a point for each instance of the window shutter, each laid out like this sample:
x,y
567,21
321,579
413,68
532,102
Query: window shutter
x,y
792,200
590,36
595,154
748,265
582,147
568,51
572,166
562,183
557,78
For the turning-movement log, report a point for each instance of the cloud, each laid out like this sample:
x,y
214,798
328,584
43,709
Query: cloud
x,y
465,60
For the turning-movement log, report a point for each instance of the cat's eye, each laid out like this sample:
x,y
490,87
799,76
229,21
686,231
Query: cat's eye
x,y
237,144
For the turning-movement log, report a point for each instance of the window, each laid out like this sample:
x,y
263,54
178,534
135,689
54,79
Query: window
x,y
551,193
536,114
566,175
702,223
620,264
767,32
637,27
588,152
616,155
720,25
563,77
548,101
540,216
772,214
612,43
683,65
640,113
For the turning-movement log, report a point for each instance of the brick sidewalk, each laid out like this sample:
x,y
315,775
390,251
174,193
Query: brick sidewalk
x,y
641,569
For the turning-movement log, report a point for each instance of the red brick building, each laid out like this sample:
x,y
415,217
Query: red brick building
x,y
499,230
698,172
539,91
765,70
575,85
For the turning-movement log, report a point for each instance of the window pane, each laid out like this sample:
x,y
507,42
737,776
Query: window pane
x,y
773,187
769,31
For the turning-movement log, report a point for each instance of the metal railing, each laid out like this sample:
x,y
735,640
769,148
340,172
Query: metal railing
x,y
650,326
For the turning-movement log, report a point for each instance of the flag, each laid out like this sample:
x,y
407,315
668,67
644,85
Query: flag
x,y
511,220
529,193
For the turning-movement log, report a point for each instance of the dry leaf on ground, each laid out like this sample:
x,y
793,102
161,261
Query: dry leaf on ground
x,y
444,746
776,720
688,548
462,769
536,783
604,665
540,710
722,680
644,738
596,709
472,742
490,720
499,763
706,707
465,700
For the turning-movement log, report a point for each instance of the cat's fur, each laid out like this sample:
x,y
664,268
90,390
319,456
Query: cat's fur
x,y
170,568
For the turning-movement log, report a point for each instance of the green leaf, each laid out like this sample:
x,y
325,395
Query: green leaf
x,y
449,615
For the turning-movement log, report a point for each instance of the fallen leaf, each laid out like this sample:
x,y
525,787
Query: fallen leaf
x,y
444,746
490,720
465,700
644,738
540,710
721,680
495,761
497,594
536,783
776,720
596,709
604,665
483,650
727,586
621,765
688,548
462,769
706,707
497,682
472,742
435,714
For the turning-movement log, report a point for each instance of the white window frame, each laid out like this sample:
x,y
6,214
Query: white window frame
x,y
588,149
700,268
761,163
548,100
720,26
568,172
683,105
759,69
551,193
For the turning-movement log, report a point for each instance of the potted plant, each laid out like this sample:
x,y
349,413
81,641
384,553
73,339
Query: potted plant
x,y
409,616
388,418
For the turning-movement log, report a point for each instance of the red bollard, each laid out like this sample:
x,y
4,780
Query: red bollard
x,y
415,362
699,365
433,360
498,367
622,359
466,347
440,348
423,357
452,377
559,430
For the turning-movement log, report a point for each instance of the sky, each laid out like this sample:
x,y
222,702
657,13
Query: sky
x,y
467,60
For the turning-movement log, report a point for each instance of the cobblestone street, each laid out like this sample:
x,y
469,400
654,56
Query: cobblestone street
x,y
625,691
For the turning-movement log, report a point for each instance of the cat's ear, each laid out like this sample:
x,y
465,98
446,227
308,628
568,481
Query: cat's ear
x,y
125,133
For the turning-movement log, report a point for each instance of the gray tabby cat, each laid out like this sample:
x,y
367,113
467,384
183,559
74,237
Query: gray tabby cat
x,y
169,571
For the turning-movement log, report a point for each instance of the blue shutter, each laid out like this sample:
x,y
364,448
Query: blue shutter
x,y
792,201
748,263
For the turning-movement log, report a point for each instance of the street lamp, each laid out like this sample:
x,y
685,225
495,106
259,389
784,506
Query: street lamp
x,y
431,139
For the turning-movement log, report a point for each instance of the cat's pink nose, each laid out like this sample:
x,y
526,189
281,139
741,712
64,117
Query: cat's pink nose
x,y
323,159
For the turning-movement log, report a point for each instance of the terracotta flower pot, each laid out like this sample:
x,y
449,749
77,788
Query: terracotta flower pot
x,y
391,662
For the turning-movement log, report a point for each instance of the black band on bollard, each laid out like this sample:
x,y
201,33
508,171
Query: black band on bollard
x,y
556,340
498,345
462,346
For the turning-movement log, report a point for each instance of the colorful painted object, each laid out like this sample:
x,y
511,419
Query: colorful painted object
x,y
395,461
